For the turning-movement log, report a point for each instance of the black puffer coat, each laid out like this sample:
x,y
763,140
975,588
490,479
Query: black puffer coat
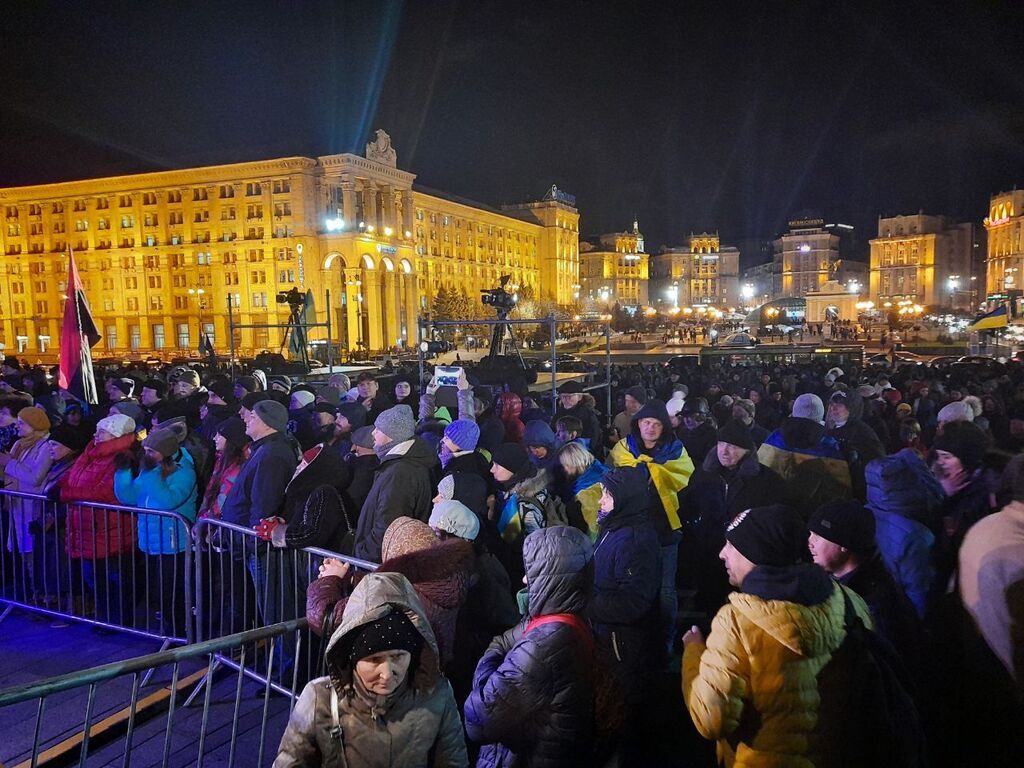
x,y
533,693
403,485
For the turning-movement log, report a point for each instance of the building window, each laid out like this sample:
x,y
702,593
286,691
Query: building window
x,y
282,185
111,337
149,198
132,304
174,196
253,188
208,331
134,337
158,336
57,208
226,191
156,303
125,202
200,193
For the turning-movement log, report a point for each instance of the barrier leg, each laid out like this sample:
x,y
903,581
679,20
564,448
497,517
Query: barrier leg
x,y
149,673
7,610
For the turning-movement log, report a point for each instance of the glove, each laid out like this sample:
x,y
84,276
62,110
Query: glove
x,y
265,528
125,460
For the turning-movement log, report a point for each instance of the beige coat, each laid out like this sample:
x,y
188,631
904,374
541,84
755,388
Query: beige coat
x,y
26,472
332,725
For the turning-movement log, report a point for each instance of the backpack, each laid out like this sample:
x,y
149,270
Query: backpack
x,y
867,714
811,485
553,506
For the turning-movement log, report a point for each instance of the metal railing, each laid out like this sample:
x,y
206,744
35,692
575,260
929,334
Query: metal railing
x,y
242,582
123,568
121,717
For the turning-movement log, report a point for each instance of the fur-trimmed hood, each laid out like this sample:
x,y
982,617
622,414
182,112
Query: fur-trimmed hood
x,y
440,573
532,486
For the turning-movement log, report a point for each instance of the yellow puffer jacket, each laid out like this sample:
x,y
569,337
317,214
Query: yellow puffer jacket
x,y
759,669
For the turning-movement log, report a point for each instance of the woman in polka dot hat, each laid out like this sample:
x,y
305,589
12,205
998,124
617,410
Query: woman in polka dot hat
x,y
384,701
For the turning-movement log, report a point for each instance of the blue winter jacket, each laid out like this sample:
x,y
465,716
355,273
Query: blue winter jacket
x,y
905,497
533,693
161,534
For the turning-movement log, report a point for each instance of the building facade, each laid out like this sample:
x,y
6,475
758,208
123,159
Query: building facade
x,y
614,269
921,259
700,273
807,256
1004,256
165,256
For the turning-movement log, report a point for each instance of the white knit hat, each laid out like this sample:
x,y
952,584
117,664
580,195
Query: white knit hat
x,y
455,518
116,424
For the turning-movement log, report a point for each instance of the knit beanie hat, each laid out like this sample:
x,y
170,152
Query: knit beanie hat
x,y
455,518
847,523
892,396
735,433
958,410
511,456
280,383
190,376
638,393
392,632
133,409
35,418
303,397
223,389
177,425
571,388
675,403
157,385
809,406
116,424
397,423
965,440
354,413
329,395
163,441
248,383
233,431
464,433
272,413
653,409
69,437
363,437
405,535
446,487
126,385
340,381
773,535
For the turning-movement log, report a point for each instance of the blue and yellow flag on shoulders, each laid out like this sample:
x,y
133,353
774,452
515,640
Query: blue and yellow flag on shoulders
x,y
997,318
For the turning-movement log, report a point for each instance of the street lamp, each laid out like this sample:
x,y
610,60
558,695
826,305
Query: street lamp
x,y
202,305
853,286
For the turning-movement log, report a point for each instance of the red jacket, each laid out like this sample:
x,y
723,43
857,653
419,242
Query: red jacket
x,y
96,533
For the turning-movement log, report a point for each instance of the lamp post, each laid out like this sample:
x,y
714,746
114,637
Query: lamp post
x,y
201,303
953,283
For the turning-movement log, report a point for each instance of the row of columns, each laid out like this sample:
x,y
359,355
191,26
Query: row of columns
x,y
377,213
380,307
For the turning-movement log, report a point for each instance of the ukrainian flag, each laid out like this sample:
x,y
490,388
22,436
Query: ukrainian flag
x,y
997,318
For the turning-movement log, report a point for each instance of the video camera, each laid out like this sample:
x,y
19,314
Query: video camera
x,y
292,298
502,301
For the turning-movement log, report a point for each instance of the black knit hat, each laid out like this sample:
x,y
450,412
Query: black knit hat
x,y
157,385
571,388
223,389
846,523
511,456
248,383
69,437
233,430
773,535
250,400
735,433
354,413
638,393
393,632
965,440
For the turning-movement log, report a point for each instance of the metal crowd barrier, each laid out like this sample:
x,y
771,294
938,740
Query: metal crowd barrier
x,y
110,714
83,562
243,582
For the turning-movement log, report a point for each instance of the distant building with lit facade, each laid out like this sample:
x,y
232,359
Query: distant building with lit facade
x,y
614,269
921,259
1004,258
699,273
162,254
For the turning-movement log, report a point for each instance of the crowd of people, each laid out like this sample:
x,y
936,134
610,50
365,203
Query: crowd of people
x,y
541,564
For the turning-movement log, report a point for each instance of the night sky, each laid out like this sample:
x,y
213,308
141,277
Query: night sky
x,y
729,116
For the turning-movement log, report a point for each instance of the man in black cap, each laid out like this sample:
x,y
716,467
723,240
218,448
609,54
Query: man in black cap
x,y
959,454
842,541
858,441
573,401
154,392
728,481
633,400
767,645
698,432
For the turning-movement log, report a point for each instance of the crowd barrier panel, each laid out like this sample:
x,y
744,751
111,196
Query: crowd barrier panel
x,y
243,582
91,709
101,564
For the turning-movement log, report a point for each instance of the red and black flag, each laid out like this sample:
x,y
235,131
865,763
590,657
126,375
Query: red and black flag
x,y
78,336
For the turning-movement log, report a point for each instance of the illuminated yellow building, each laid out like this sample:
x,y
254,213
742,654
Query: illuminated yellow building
x,y
162,254
701,272
1004,261
921,259
613,268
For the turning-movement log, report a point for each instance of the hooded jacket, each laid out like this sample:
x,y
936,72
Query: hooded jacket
x,y
858,442
532,699
753,687
905,497
416,726
539,433
403,485
440,575
26,472
627,576
93,532
258,491
177,492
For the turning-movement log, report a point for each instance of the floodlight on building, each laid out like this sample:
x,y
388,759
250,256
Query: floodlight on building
x,y
335,225
747,291
369,228
853,286
805,248
408,233
388,231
